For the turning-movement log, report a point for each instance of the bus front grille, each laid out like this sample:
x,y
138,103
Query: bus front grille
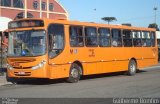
x,y
22,67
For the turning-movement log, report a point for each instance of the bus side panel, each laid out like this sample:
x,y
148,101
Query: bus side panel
x,y
147,62
148,57
107,60
119,57
120,65
113,66
104,67
92,68
59,71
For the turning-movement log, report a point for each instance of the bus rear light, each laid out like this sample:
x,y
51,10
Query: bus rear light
x,y
40,65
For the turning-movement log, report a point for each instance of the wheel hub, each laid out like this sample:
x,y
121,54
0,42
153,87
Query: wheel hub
x,y
74,73
133,68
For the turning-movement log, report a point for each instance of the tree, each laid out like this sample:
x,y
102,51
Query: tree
x,y
109,19
154,25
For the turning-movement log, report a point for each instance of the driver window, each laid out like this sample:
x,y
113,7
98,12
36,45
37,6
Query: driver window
x,y
56,39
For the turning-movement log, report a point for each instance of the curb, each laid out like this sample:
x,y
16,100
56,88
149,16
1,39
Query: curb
x,y
3,80
5,83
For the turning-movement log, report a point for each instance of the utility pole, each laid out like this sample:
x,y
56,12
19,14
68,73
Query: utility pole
x,y
155,16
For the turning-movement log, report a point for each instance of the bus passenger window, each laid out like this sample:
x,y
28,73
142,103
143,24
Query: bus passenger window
x,y
127,38
104,37
153,39
76,36
136,38
91,36
146,41
56,39
116,38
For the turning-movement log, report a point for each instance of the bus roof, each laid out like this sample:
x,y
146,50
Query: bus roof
x,y
90,24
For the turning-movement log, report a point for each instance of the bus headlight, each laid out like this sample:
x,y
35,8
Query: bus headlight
x,y
39,65
9,67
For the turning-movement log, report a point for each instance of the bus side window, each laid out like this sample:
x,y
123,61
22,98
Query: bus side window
x,y
91,37
116,38
56,39
104,37
127,38
76,36
146,41
136,38
153,39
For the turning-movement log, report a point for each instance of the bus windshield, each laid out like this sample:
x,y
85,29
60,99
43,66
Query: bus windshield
x,y
27,43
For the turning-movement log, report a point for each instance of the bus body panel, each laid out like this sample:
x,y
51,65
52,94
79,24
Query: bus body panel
x,y
104,60
59,71
22,67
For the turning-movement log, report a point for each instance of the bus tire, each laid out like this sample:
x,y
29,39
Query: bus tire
x,y
132,68
74,74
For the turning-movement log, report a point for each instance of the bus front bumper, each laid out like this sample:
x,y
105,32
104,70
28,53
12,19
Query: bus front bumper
x,y
27,73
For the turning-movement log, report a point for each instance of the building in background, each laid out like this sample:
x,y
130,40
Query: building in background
x,y
17,9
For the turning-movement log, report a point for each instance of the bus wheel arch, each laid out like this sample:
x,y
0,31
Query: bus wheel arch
x,y
135,61
75,72
79,64
132,67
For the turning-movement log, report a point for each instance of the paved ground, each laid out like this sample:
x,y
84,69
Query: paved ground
x,y
143,84
3,80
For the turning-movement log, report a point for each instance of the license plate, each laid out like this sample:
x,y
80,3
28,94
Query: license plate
x,y
21,73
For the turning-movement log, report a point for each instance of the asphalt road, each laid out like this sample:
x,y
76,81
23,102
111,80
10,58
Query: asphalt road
x,y
143,84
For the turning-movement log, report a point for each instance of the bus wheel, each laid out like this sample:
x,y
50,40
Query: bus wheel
x,y
132,68
74,74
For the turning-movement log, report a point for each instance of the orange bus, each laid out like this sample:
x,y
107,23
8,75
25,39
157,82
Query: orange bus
x,y
45,48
